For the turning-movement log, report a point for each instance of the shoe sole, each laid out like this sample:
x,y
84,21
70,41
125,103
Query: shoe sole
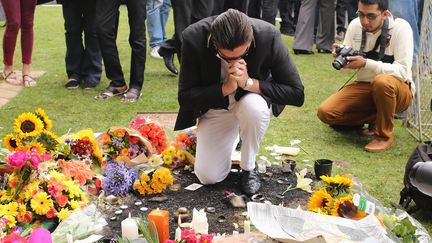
x,y
378,150
72,87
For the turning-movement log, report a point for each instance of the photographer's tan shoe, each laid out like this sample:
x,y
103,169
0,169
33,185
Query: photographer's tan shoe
x,y
379,145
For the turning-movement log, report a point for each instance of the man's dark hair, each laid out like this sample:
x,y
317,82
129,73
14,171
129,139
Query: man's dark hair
x,y
382,4
231,29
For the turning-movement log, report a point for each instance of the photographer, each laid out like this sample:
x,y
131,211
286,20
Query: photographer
x,y
384,81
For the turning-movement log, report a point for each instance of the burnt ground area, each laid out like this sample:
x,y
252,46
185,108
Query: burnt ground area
x,y
273,183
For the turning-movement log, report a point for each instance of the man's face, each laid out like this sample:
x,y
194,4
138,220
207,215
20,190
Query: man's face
x,y
370,17
233,55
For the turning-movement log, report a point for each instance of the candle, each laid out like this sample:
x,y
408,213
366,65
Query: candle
x,y
178,234
199,222
129,228
246,226
161,219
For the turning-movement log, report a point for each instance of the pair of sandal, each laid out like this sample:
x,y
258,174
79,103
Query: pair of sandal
x,y
11,78
128,95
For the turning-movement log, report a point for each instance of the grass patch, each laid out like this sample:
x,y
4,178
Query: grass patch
x,y
381,173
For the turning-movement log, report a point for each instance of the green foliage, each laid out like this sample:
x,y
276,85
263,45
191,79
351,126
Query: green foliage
x,y
148,229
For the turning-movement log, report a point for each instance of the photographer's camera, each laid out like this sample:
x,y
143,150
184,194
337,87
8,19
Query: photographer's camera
x,y
343,52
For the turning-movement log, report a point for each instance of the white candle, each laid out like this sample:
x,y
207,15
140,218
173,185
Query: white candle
x,y
246,226
178,234
129,228
199,222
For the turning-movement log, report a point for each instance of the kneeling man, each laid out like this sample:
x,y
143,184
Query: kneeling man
x,y
236,71
384,81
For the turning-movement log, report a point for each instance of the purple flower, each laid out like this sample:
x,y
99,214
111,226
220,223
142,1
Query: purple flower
x,y
118,179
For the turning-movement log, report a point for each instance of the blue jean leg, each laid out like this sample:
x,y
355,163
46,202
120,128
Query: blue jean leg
x,y
154,23
408,10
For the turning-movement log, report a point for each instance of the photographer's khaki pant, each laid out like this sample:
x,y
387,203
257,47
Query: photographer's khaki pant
x,y
373,102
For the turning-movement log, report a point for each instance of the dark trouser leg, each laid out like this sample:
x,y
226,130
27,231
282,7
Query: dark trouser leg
x,y
106,25
340,15
137,40
269,10
254,9
326,29
91,65
201,9
73,23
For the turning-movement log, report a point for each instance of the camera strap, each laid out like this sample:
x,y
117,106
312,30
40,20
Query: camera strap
x,y
381,41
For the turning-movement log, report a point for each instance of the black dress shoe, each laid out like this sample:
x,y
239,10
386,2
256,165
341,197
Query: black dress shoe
x,y
250,182
302,52
324,51
169,61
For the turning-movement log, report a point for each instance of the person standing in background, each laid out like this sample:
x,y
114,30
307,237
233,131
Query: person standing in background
x,y
19,15
342,7
83,59
157,16
304,35
289,11
107,16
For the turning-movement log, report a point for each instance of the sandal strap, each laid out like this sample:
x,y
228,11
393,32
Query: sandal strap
x,y
136,92
8,75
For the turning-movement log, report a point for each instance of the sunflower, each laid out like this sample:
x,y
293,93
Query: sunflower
x,y
344,207
35,145
40,113
12,143
41,203
337,185
49,140
28,125
320,201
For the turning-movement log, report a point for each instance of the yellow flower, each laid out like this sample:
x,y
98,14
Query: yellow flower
x,y
73,188
171,151
64,213
319,201
57,175
144,178
28,125
74,204
40,113
335,211
6,196
12,220
35,145
181,155
9,209
41,203
29,189
167,159
11,142
344,207
338,180
49,140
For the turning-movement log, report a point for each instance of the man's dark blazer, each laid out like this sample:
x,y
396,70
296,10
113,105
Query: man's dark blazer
x,y
268,60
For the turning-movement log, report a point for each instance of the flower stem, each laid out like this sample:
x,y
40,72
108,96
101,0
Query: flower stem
x,y
289,189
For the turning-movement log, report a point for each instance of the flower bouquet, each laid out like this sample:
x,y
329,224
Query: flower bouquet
x,y
153,182
174,158
123,144
79,146
36,192
335,198
186,140
32,130
152,131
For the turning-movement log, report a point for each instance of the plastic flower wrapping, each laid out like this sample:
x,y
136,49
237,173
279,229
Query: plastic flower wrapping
x,y
152,131
153,182
335,198
127,145
32,130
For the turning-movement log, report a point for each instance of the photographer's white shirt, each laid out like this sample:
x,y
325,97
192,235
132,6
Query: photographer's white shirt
x,y
401,47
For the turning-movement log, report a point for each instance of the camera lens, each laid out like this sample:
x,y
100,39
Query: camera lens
x,y
339,62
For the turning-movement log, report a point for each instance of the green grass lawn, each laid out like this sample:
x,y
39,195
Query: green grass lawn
x,y
381,173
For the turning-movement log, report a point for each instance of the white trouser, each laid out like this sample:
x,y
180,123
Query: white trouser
x,y
218,130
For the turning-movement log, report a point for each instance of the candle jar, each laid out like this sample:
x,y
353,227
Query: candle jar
x,y
161,219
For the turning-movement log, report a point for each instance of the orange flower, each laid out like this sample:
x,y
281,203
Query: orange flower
x,y
120,132
61,200
51,213
134,139
124,151
106,138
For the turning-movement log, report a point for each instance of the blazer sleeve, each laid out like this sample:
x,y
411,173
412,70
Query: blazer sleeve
x,y
194,92
285,86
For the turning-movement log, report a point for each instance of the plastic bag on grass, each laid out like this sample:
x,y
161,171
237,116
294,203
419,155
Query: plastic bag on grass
x,y
80,224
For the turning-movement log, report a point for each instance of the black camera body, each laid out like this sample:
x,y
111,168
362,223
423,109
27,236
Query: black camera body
x,y
345,51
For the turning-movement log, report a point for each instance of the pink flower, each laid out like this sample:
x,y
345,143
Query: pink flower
x,y
34,161
46,157
13,238
18,159
205,239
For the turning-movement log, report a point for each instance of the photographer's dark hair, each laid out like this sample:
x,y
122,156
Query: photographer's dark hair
x,y
382,4
231,29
